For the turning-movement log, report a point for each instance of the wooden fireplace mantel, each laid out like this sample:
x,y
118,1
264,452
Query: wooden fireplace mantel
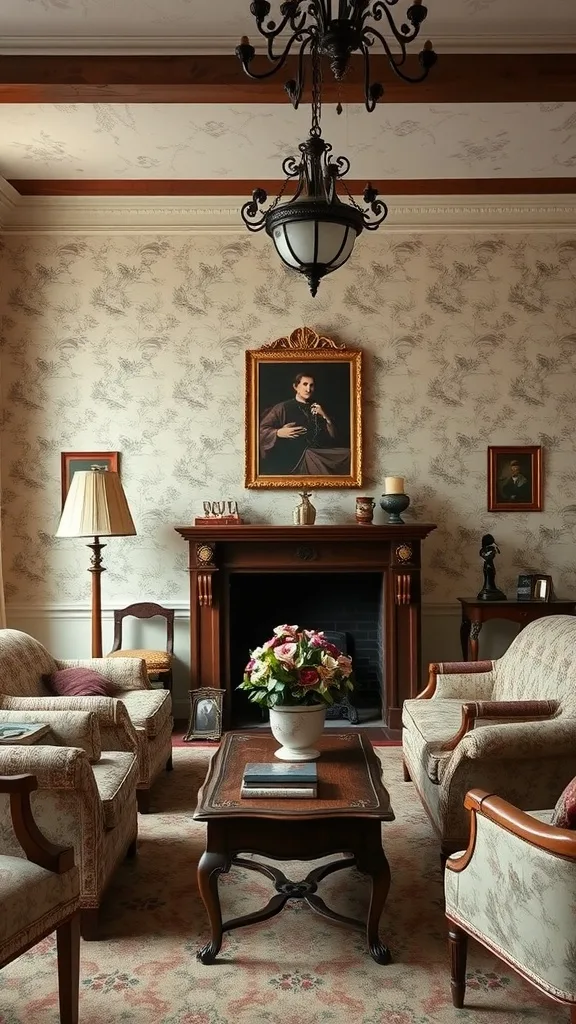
x,y
217,551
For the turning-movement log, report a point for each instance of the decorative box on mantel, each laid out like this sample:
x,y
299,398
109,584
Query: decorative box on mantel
x,y
389,553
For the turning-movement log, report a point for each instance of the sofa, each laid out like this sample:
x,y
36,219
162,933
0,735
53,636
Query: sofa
x,y
85,797
507,726
24,662
514,891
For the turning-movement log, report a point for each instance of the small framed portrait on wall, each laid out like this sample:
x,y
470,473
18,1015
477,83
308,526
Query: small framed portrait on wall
x,y
303,413
515,478
71,462
205,714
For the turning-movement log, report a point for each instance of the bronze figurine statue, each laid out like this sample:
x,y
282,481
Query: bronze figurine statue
x,y
488,552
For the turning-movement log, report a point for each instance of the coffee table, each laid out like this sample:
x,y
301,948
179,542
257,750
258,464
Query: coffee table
x,y
345,818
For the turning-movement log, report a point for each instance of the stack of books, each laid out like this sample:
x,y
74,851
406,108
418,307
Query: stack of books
x,y
290,779
22,732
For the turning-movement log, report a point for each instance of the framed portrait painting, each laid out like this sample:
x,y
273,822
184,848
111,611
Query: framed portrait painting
x,y
303,413
205,714
71,462
515,478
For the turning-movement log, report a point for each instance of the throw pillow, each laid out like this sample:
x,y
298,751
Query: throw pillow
x,y
564,815
78,682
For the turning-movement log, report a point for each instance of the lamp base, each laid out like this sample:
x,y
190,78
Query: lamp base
x,y
394,504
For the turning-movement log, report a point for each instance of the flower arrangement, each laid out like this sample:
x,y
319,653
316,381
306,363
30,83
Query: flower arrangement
x,y
297,666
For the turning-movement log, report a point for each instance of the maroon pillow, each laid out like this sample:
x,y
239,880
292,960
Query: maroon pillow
x,y
564,815
78,682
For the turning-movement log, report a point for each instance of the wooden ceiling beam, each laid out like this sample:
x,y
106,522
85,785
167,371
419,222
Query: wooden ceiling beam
x,y
241,187
457,78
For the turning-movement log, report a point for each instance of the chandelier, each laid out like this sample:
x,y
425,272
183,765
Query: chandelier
x,y
314,232
352,29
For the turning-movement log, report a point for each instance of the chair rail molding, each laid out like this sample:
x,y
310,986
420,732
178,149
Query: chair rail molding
x,y
20,214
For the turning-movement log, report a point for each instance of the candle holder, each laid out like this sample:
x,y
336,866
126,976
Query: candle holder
x,y
394,504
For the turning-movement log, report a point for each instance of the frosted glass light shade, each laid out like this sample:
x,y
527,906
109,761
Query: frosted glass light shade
x,y
307,243
96,506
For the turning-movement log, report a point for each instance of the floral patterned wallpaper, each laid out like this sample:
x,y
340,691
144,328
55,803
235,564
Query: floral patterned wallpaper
x,y
136,344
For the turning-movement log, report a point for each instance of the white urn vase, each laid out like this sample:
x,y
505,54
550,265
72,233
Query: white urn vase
x,y
297,727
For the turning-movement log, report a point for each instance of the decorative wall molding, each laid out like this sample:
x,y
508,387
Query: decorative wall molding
x,y
181,608
9,200
221,214
480,42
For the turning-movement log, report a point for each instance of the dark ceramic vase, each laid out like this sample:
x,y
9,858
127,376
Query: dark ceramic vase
x,y
394,504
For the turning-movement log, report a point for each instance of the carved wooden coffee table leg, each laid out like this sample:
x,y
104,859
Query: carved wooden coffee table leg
x,y
210,868
372,862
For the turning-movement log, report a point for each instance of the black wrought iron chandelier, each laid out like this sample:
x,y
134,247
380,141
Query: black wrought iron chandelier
x,y
314,231
336,29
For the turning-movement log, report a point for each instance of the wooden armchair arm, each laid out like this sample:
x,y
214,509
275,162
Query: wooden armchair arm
x,y
446,668
511,710
537,833
37,848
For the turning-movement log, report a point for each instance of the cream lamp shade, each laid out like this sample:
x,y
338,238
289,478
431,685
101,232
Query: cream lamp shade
x,y
96,506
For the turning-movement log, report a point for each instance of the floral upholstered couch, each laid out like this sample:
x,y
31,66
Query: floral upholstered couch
x,y
23,663
86,795
507,726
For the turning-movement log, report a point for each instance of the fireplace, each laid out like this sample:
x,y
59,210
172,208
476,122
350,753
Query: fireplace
x,y
347,604
362,580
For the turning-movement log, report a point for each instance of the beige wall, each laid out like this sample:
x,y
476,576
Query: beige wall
x,y
136,343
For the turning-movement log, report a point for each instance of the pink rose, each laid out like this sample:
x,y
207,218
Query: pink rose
x,y
345,664
286,653
285,630
308,677
317,640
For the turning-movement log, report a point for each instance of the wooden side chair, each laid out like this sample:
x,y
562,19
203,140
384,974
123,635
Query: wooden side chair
x,y
39,894
158,663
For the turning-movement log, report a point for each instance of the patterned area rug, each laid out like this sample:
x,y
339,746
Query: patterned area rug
x,y
297,968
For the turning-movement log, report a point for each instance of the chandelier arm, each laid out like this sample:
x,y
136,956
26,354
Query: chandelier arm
x,y
396,63
252,214
370,100
379,211
271,36
272,33
295,93
280,61
379,10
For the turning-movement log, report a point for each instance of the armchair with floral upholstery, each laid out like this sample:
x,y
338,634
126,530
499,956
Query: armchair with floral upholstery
x,y
85,797
39,894
508,726
23,664
514,890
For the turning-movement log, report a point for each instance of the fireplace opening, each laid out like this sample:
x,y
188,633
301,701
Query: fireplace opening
x,y
348,603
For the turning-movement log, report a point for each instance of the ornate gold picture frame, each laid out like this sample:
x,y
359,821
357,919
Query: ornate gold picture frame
x,y
303,413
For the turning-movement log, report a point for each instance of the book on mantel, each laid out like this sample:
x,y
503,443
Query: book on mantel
x,y
290,779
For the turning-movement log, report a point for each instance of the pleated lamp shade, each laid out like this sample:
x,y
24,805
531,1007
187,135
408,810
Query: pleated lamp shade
x,y
96,506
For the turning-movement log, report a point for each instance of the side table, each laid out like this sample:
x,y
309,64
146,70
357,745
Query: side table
x,y
475,613
345,818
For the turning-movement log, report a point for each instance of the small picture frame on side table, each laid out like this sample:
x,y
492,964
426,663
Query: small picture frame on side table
x,y
205,714
535,586
541,587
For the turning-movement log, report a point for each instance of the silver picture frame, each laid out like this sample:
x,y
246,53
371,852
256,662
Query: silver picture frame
x,y
205,721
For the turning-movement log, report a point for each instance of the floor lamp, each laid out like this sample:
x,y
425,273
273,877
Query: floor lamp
x,y
96,507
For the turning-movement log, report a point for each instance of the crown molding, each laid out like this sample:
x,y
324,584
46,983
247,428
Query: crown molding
x,y
9,200
221,214
452,42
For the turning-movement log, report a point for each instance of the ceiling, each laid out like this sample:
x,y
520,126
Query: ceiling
x,y
197,25
174,141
